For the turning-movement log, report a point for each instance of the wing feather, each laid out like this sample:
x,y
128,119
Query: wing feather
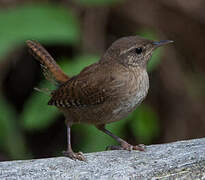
x,y
93,86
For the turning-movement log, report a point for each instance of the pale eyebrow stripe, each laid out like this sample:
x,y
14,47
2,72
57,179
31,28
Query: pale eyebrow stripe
x,y
125,51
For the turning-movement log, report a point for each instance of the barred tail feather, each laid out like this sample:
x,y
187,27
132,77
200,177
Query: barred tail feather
x,y
51,69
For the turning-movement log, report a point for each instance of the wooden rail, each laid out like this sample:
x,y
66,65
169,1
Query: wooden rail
x,y
178,160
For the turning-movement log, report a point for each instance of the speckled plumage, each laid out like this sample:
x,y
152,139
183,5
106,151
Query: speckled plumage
x,y
103,92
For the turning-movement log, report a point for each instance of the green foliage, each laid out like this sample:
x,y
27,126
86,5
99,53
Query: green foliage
x,y
45,22
78,63
98,2
37,114
155,60
144,124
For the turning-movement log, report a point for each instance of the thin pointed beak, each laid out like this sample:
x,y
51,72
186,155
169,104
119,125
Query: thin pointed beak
x,y
161,43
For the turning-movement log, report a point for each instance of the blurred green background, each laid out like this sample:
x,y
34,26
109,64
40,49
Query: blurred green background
x,y
76,33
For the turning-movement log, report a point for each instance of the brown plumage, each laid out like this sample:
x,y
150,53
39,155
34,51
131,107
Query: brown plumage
x,y
103,92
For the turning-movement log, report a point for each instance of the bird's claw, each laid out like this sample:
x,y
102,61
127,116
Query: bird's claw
x,y
127,146
74,156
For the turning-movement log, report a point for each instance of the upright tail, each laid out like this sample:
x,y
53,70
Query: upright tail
x,y
51,69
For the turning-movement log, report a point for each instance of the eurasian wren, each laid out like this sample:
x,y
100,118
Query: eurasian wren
x,y
103,92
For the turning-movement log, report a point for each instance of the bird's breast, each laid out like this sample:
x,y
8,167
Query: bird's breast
x,y
134,94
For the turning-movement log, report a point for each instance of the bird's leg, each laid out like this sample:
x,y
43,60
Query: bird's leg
x,y
69,152
123,144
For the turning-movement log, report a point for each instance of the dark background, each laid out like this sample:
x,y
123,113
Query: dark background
x,y
76,33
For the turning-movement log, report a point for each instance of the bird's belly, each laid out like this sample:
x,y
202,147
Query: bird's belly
x,y
129,104
132,98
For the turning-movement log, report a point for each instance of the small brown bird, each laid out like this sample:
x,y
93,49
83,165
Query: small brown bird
x,y
103,92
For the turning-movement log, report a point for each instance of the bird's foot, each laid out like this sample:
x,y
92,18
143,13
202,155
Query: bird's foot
x,y
74,156
126,146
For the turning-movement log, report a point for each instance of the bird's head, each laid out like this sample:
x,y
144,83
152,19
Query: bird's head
x,y
133,50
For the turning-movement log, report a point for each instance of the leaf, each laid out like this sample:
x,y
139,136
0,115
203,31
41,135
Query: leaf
x,y
98,2
155,60
78,63
37,114
11,139
44,22
144,124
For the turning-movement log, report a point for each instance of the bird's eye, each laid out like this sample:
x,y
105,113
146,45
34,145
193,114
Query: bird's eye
x,y
138,50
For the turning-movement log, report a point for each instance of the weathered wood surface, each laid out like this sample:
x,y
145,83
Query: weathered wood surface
x,y
178,160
